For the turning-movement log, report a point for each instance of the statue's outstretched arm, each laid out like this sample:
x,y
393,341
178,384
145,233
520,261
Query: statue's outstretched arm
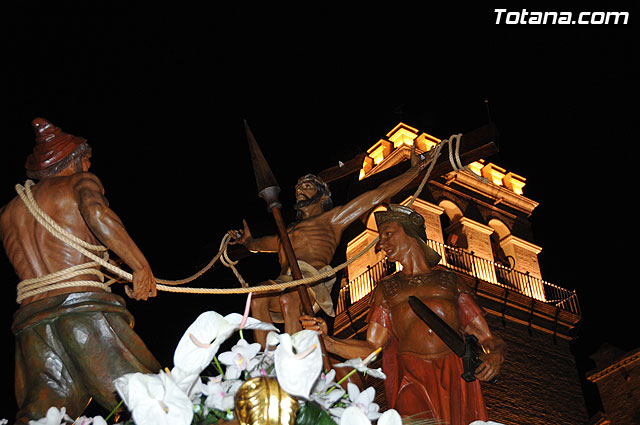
x,y
108,228
262,244
377,336
345,215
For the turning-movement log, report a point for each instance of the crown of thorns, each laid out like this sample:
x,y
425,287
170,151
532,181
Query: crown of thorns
x,y
317,181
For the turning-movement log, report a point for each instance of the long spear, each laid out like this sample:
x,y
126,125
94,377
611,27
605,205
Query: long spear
x,y
269,190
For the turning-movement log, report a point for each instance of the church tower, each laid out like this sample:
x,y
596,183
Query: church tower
x,y
477,219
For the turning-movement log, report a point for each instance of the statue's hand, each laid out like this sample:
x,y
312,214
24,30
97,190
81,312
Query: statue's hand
x,y
144,285
414,156
314,324
419,162
492,359
240,236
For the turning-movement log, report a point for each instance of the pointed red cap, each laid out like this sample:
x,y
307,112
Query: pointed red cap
x,y
52,145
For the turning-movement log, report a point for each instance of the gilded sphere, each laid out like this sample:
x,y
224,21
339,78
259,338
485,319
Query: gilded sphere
x,y
261,401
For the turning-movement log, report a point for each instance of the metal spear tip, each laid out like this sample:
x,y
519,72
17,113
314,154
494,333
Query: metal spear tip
x,y
268,188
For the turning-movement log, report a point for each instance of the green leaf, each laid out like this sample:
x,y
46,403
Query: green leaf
x,y
311,414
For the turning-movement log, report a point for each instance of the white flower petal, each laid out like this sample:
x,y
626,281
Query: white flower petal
x,y
273,338
226,358
203,338
366,397
250,350
220,394
336,412
353,415
188,382
484,423
354,363
232,373
326,400
373,411
99,420
131,389
298,375
353,391
376,373
200,342
330,376
154,399
235,319
54,416
358,364
390,417
324,382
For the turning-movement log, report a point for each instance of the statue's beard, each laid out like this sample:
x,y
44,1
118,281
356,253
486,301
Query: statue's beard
x,y
309,201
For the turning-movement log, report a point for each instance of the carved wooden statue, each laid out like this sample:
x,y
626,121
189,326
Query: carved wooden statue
x,y
316,235
73,336
314,238
423,374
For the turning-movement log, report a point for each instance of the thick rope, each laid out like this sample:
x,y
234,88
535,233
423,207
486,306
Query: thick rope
x,y
454,158
55,280
170,285
436,153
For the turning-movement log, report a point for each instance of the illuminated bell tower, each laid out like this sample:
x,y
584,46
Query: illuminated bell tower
x,y
477,219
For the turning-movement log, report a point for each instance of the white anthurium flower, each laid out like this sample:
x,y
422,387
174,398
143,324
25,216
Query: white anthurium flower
x,y
241,357
203,338
352,415
54,416
298,362
221,393
361,399
390,417
325,392
154,399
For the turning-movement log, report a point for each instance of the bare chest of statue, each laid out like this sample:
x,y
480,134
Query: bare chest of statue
x,y
314,241
438,290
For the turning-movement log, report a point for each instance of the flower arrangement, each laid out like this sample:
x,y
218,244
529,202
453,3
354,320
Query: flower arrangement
x,y
183,396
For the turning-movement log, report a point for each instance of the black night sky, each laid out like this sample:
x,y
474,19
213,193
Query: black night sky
x,y
162,98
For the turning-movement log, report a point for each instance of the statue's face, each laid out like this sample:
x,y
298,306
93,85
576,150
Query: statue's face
x,y
86,162
305,191
393,240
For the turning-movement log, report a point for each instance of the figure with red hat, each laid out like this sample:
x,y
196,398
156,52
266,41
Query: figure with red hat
x,y
73,336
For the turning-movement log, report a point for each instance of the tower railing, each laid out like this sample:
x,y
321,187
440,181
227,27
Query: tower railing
x,y
364,283
467,263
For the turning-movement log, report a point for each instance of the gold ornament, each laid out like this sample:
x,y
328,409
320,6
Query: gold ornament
x,y
261,401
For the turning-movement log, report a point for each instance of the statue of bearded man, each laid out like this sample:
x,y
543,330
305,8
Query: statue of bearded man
x,y
314,237
323,194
